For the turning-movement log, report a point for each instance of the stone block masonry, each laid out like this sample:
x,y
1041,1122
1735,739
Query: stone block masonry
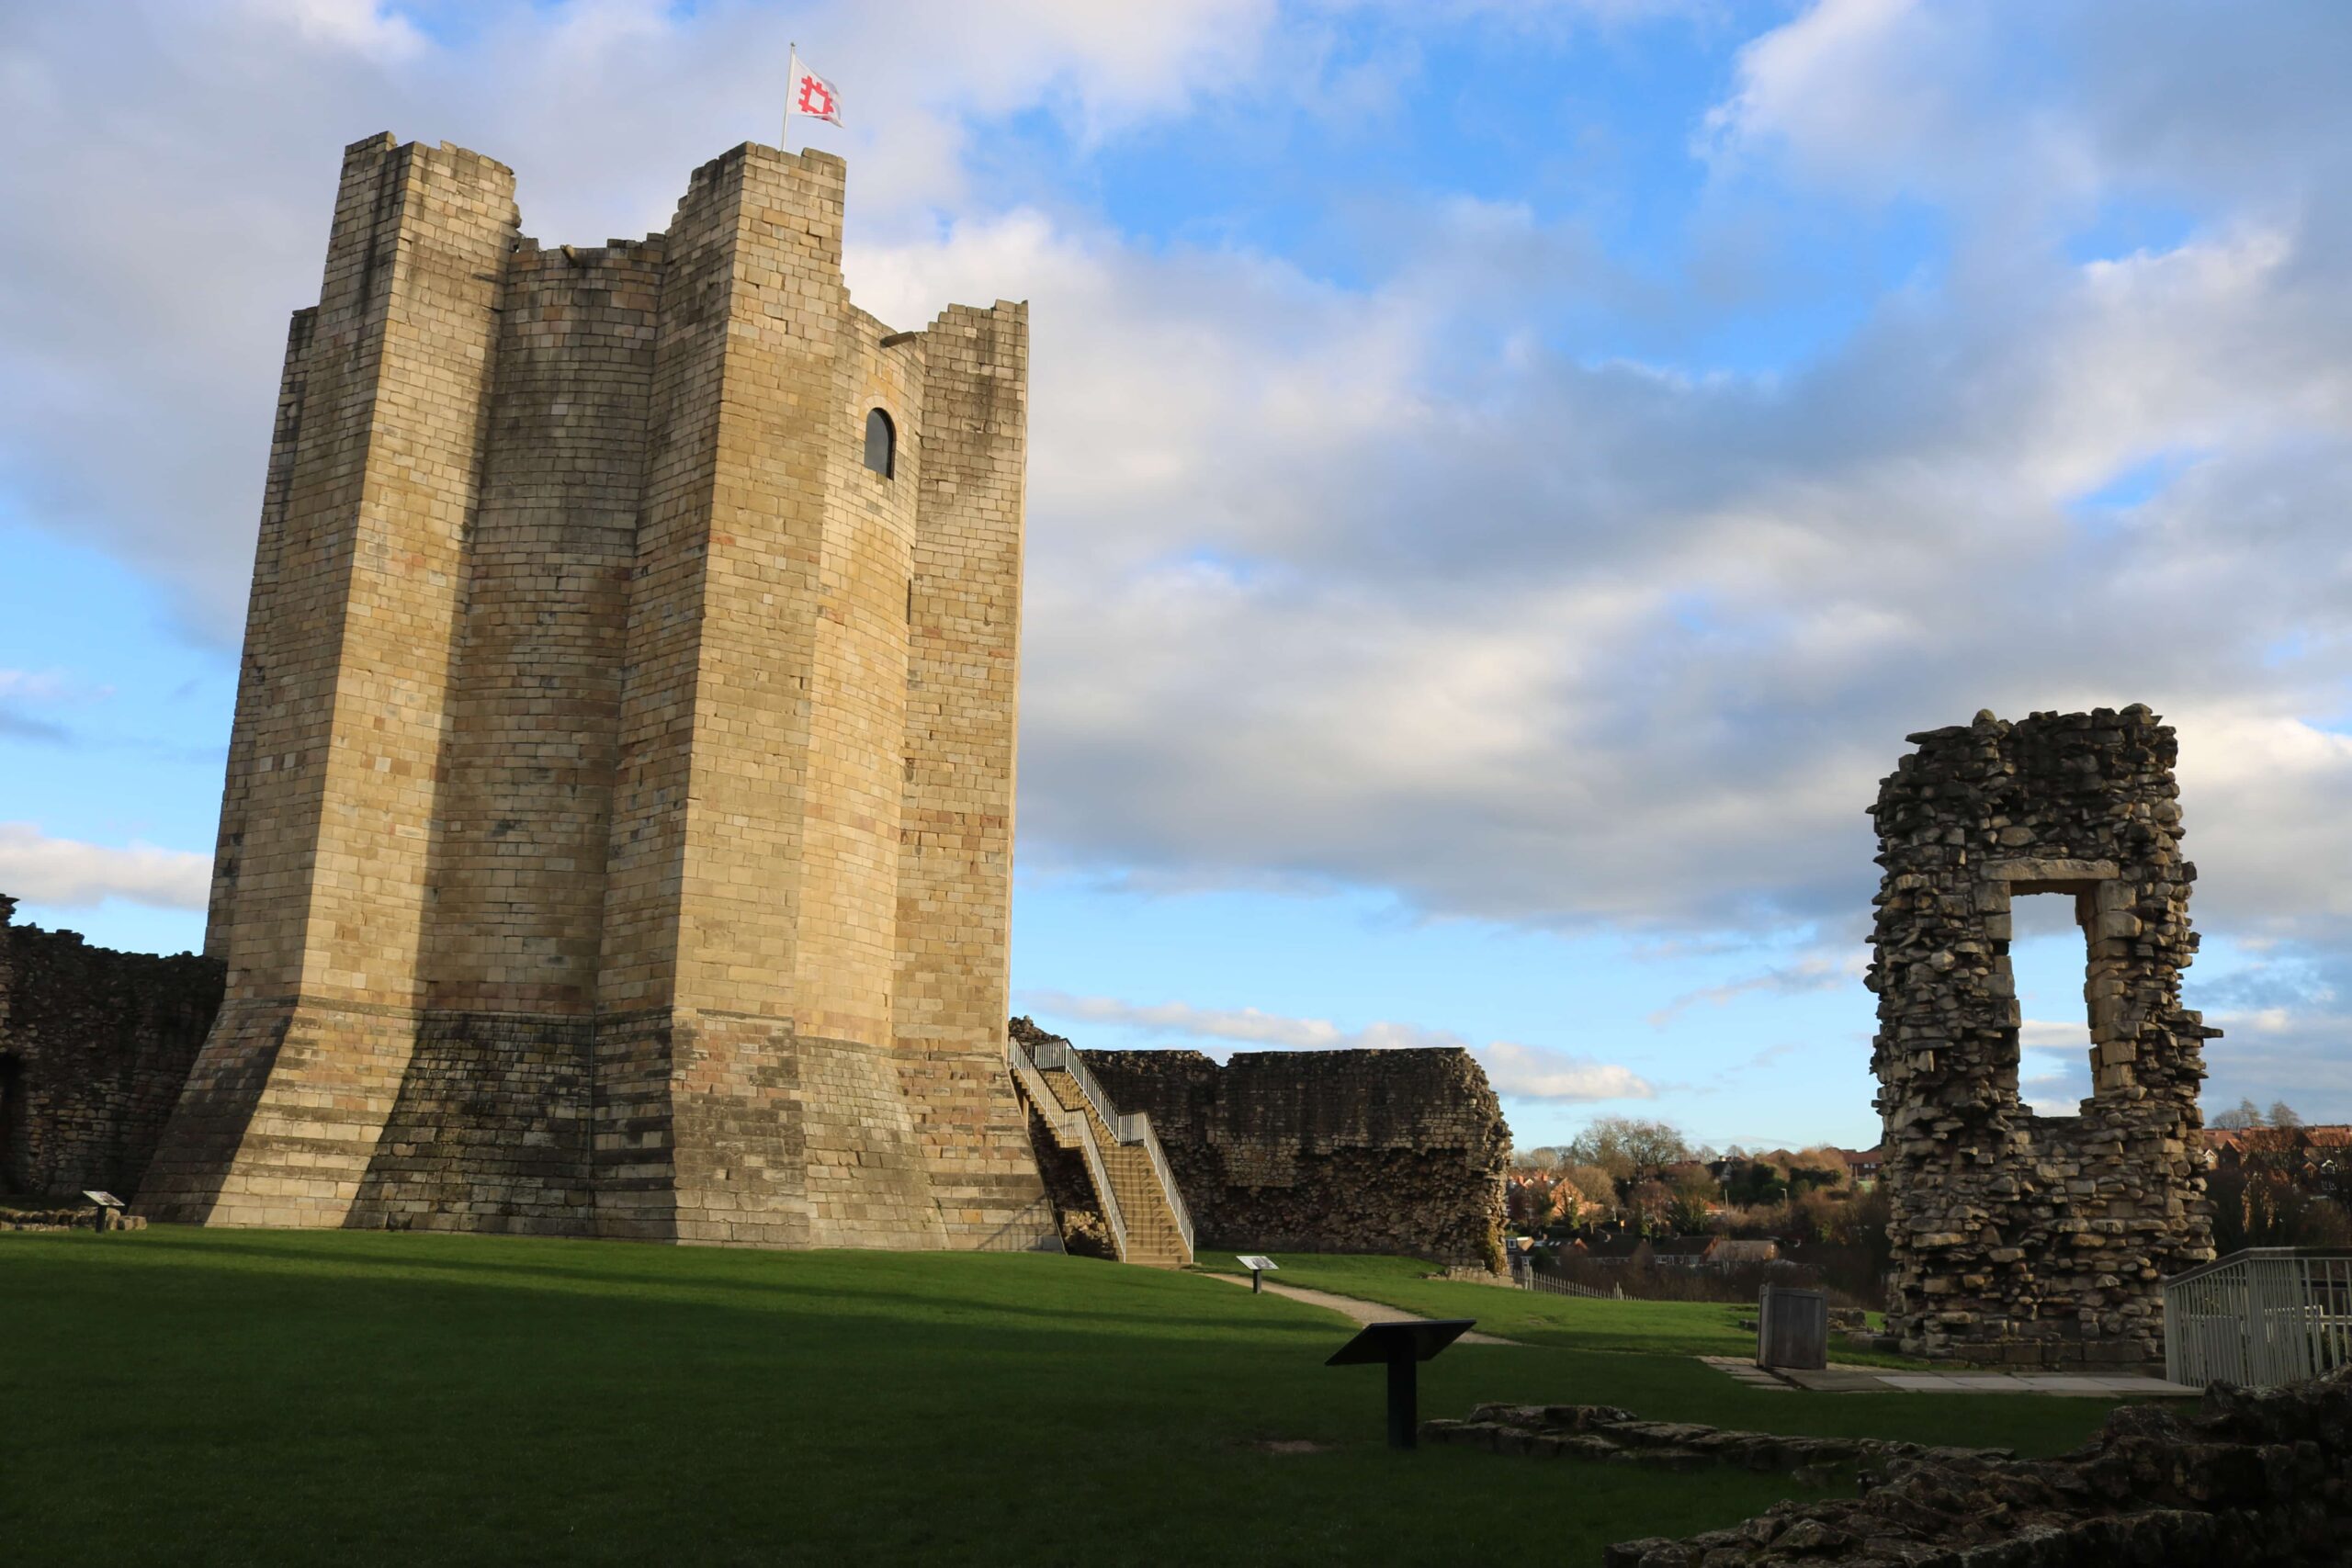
x,y
619,827
1324,1151
94,1047
2019,1238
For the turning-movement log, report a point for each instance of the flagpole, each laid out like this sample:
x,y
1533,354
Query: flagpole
x,y
792,74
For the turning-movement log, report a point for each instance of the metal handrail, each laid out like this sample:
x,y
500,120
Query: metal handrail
x,y
1102,1174
1134,1127
1068,1123
1064,1058
1168,1187
2245,1254
1041,1098
2262,1317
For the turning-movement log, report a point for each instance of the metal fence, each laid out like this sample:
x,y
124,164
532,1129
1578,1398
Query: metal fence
x,y
1525,1275
2261,1317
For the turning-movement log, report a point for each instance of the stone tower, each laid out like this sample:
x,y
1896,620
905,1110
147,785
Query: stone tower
x,y
2021,1238
618,835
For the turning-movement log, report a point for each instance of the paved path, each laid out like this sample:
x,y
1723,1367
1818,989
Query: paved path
x,y
1839,1378
1361,1311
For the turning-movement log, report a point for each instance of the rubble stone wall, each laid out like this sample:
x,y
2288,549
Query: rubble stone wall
x,y
1326,1151
94,1047
2021,1238
2256,1480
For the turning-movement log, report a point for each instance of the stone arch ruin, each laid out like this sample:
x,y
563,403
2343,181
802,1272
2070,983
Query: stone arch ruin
x,y
2020,1239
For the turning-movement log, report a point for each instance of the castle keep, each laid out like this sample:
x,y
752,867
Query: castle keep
x,y
2018,1237
618,827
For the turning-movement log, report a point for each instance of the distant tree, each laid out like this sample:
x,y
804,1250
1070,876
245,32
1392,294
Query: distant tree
x,y
1821,1165
1529,1203
1631,1151
2255,1207
1687,1206
1756,1182
1648,1205
1587,1194
2283,1114
2247,1114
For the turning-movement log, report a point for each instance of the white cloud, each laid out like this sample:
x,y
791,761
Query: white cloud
x,y
68,874
221,126
1521,1072
1819,970
365,27
1247,1026
1532,1072
1378,584
2055,1036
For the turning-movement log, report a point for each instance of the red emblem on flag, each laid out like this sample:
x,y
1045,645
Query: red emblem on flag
x,y
813,96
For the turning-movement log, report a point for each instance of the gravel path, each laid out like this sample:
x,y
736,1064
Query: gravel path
x,y
1359,1310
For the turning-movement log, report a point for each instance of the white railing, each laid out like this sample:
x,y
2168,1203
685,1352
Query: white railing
x,y
1529,1279
1130,1129
1060,1056
1136,1128
1071,1127
2262,1317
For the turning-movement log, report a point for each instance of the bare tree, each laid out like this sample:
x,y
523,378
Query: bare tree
x,y
2283,1114
1630,1150
2247,1114
1586,1194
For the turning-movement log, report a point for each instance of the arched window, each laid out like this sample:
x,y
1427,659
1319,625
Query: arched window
x,y
881,444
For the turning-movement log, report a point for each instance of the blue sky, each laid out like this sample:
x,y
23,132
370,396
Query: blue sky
x,y
1504,476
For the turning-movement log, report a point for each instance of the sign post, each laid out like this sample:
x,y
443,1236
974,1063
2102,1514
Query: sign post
x,y
1403,1346
1259,1268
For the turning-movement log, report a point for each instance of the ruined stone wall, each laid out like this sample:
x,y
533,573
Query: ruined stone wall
x,y
94,1047
2021,1238
2254,1480
1326,1151
618,833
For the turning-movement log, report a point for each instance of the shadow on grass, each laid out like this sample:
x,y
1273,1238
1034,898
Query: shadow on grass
x,y
236,1397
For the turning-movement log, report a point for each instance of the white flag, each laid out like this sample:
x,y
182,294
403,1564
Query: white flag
x,y
811,95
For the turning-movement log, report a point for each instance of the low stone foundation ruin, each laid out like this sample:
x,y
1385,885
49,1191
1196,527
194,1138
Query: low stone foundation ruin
x,y
2251,1480
2021,1238
1612,1435
94,1047
1327,1151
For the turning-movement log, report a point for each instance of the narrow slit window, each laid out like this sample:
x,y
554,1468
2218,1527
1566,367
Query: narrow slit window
x,y
881,444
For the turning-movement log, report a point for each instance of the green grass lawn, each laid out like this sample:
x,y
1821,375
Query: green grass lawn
x,y
231,1397
1675,1328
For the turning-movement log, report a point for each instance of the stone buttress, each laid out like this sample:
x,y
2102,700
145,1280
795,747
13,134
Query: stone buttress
x,y
618,832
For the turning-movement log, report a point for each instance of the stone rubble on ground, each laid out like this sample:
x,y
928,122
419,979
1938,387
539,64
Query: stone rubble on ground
x,y
2254,1480
1616,1436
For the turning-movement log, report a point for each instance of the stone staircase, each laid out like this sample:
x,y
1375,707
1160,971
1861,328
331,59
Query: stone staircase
x,y
1133,1184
